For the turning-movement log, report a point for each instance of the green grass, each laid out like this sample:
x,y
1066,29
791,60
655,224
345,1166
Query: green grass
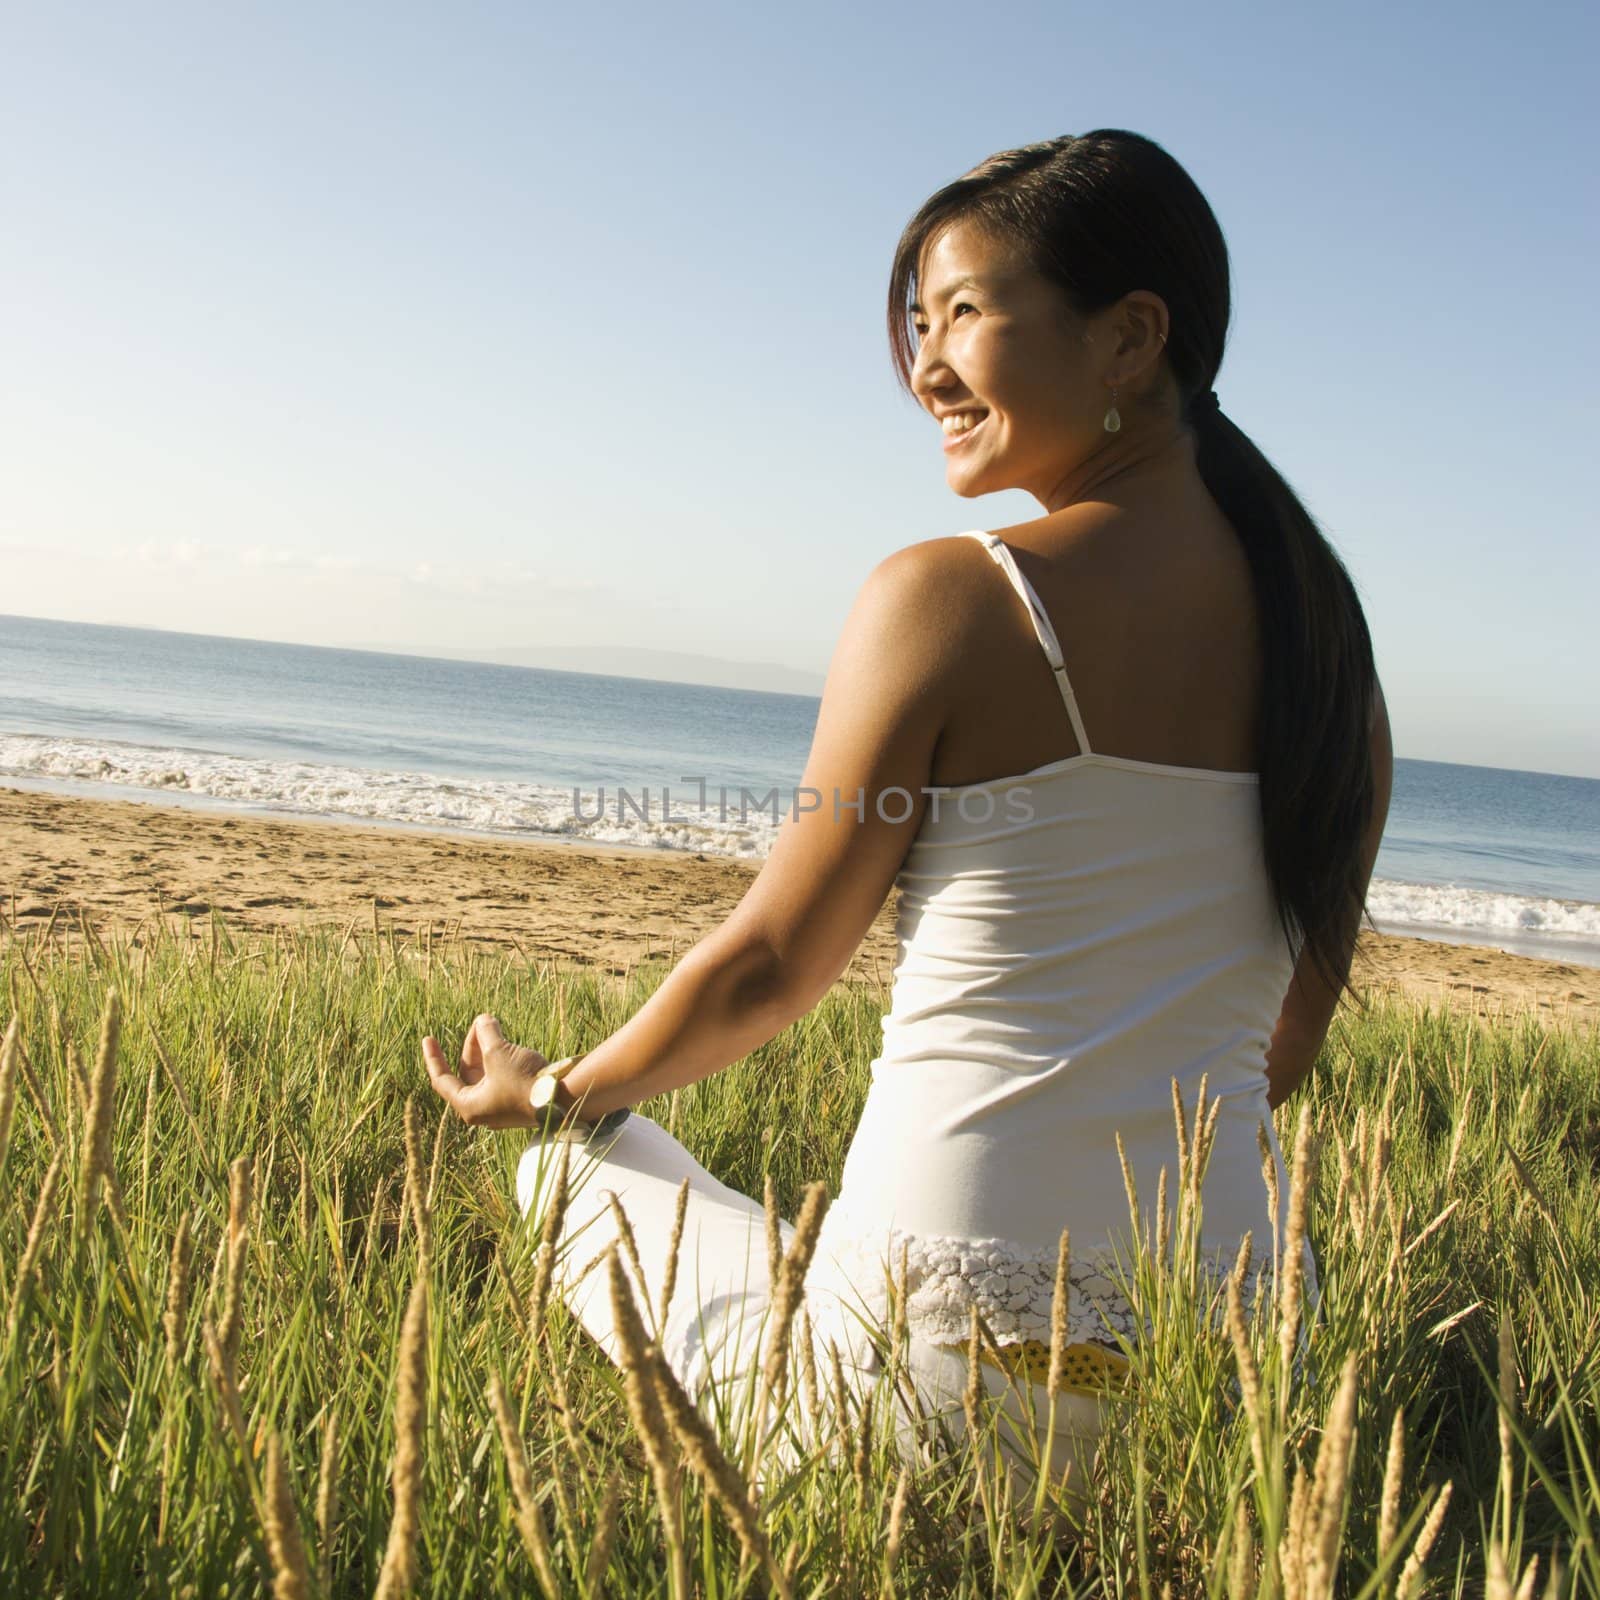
x,y
123,1474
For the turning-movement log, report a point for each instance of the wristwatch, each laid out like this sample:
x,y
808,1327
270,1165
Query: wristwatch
x,y
542,1097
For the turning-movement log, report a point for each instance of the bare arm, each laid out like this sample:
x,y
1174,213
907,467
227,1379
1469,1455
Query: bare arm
x,y
1309,1006
828,874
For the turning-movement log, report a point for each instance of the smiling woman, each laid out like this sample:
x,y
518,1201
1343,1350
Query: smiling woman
x,y
1171,672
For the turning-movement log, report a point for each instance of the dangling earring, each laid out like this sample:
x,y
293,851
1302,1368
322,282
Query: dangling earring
x,y
1113,420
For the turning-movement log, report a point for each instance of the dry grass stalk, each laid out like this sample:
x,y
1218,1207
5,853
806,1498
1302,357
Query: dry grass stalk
x,y
1552,1585
416,1187
1292,1546
1163,1221
336,1230
328,1501
565,1411
43,1211
974,1384
30,1081
149,1131
1207,1137
841,1398
791,1283
227,1388
1508,1406
669,1278
10,1051
1181,1127
769,1207
1292,1277
1393,1470
971,1394
98,1172
307,1211
1416,1560
530,1514
1464,1119
863,1455
605,1537
1269,1176
175,1319
1332,1478
721,1478
1060,1316
544,1260
173,1078
629,1244
897,1517
649,1422
436,1163
1129,1187
398,1572
1249,1374
810,1394
1241,1552
291,1576
239,1177
900,1302
1197,1151
77,1072
374,1224
1241,1262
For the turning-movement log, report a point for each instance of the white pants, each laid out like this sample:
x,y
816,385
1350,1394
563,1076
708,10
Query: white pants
x,y
714,1331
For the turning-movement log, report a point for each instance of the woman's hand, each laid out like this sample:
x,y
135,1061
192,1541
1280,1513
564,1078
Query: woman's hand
x,y
490,1087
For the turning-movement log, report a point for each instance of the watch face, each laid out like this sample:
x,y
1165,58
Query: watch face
x,y
542,1092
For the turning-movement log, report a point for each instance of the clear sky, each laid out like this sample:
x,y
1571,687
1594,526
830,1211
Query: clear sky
x,y
488,325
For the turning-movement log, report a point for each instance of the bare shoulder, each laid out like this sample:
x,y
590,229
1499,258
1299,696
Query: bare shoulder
x,y
931,581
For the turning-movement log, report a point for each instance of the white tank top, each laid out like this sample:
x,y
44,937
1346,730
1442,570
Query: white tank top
x,y
1069,940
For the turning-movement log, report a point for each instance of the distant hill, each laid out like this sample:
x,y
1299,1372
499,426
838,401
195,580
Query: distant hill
x,y
632,661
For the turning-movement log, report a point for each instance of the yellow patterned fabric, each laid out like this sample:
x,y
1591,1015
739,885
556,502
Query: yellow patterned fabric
x,y
1087,1368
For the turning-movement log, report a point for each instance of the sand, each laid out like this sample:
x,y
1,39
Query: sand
x,y
564,903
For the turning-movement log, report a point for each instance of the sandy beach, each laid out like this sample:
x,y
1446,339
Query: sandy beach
x,y
581,904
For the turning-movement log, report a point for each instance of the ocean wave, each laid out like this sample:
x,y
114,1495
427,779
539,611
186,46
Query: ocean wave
x,y
445,803
1446,906
606,814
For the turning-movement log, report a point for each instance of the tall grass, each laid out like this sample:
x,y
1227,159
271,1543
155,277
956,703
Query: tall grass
x,y
273,1325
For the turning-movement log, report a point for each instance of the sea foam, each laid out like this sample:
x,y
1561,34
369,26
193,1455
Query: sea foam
x,y
498,806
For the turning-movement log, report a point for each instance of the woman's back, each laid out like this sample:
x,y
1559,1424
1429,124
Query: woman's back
x,y
1157,630
1073,935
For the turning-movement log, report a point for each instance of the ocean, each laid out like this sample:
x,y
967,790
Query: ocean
x,y
1472,854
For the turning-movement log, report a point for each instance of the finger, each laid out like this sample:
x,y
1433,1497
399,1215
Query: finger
x,y
444,1081
487,1028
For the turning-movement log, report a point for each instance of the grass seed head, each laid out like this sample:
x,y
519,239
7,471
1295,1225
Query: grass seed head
x,y
398,1573
97,1170
10,1051
1060,1315
175,1319
791,1281
43,1211
529,1513
328,1499
416,1184
1393,1470
291,1575
669,1276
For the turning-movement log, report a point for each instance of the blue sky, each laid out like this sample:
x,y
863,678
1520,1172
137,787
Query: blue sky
x,y
484,326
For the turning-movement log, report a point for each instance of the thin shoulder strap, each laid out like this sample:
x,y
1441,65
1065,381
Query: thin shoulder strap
x,y
1001,551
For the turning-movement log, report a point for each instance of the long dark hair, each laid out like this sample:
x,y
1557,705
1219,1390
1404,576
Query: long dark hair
x,y
1104,213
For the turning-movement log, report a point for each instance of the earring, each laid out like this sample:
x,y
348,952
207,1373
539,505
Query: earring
x,y
1113,420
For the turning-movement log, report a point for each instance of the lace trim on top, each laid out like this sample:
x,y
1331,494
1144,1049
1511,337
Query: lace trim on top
x,y
1012,1285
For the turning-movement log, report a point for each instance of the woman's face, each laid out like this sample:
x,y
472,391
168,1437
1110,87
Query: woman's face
x,y
1002,355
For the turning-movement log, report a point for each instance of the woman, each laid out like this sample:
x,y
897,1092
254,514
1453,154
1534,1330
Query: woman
x,y
1128,763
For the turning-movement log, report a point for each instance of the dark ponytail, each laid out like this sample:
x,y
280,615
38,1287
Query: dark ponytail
x,y
1101,215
